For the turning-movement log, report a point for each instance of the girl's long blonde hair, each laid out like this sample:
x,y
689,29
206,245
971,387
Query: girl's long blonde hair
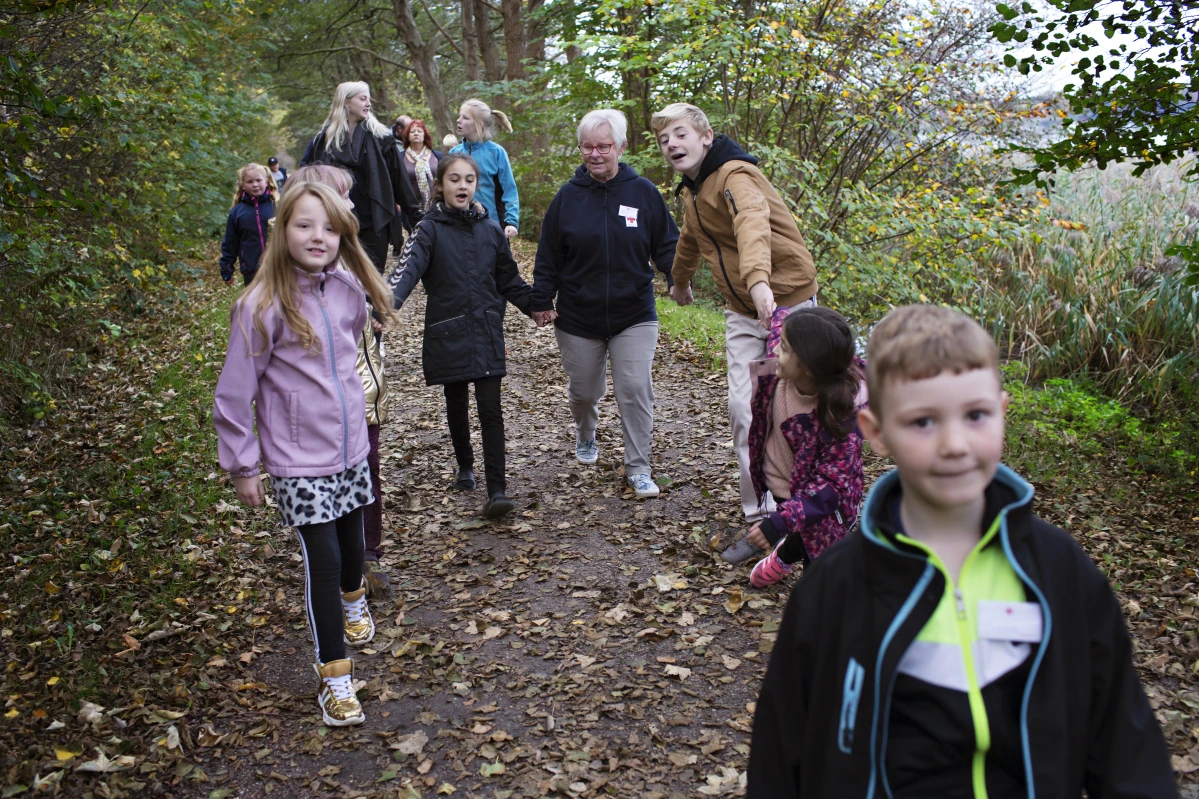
x,y
277,283
337,124
485,119
241,181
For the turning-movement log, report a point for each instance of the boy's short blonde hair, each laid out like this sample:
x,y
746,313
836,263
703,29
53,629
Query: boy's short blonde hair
x,y
686,112
917,342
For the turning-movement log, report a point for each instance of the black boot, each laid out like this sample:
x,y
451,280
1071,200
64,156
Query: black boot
x,y
465,480
499,505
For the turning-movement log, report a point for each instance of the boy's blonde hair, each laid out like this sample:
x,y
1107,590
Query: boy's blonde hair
x,y
243,175
917,342
688,113
485,118
276,280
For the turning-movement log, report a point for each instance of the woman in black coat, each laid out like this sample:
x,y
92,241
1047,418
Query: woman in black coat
x,y
353,139
462,258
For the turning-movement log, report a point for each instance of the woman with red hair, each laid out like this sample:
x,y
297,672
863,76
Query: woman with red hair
x,y
420,161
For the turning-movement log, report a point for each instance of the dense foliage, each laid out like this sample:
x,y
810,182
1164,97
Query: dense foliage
x,y
121,126
1134,89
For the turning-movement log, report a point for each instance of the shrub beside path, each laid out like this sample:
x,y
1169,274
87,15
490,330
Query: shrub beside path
x,y
590,645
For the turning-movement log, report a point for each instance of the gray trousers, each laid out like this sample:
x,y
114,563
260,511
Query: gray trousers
x,y
631,354
745,341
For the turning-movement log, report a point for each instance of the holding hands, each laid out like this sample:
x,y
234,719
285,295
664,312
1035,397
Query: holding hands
x,y
543,318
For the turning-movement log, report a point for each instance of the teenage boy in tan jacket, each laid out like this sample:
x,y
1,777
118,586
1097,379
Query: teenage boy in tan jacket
x,y
737,222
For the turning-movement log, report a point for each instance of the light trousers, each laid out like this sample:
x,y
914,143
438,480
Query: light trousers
x,y
745,341
631,353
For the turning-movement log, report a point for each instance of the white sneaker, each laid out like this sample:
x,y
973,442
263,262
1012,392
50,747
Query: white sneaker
x,y
586,452
643,486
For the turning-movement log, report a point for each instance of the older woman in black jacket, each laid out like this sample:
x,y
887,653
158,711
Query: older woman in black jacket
x,y
597,240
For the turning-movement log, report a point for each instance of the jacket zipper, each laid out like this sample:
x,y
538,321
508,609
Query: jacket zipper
x,y
345,417
258,219
905,610
1047,628
607,267
719,254
729,196
370,366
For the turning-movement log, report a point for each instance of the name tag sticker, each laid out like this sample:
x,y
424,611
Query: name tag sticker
x,y
629,214
1010,621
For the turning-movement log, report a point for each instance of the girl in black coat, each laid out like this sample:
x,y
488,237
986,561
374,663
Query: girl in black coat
x,y
246,228
463,259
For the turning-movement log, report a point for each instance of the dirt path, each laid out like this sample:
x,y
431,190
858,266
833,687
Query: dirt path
x,y
590,645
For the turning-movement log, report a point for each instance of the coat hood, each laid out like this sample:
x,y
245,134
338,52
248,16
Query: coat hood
x,y
722,151
624,174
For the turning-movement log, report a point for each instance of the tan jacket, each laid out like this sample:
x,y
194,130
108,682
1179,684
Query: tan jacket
x,y
740,225
374,380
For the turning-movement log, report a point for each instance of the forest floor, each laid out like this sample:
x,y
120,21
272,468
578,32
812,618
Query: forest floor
x,y
591,644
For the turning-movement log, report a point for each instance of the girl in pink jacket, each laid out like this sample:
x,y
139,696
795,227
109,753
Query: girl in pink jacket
x,y
291,368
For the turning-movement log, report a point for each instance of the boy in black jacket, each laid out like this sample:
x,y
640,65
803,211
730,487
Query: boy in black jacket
x,y
957,646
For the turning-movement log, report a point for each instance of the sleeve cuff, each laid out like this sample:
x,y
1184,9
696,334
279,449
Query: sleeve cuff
x,y
757,276
771,527
249,471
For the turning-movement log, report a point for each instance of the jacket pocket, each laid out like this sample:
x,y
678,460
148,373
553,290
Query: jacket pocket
x,y
447,346
293,416
495,332
851,695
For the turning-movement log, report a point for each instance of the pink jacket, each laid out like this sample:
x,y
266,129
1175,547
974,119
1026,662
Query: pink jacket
x,y
310,407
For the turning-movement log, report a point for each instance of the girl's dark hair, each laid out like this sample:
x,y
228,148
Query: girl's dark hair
x,y
823,342
443,166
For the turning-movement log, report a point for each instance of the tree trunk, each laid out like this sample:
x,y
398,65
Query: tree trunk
x,y
487,48
514,37
424,63
470,41
535,32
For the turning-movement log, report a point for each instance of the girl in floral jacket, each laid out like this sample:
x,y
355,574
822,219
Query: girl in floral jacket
x,y
804,443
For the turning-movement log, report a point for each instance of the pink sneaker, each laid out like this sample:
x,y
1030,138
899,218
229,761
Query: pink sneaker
x,y
769,570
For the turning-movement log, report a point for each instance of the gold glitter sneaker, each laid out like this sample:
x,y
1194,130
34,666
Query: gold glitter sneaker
x,y
339,704
360,627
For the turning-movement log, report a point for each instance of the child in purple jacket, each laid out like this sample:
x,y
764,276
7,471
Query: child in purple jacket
x,y
804,444
291,367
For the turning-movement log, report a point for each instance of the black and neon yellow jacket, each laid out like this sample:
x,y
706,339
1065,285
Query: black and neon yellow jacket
x,y
888,680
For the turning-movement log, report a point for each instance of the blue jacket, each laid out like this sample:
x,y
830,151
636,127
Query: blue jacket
x,y
597,241
496,185
245,233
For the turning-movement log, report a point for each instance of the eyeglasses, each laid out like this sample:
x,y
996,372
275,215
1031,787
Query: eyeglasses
x,y
602,149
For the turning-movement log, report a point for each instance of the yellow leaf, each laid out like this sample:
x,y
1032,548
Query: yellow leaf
x,y
12,714
52,681
51,588
64,754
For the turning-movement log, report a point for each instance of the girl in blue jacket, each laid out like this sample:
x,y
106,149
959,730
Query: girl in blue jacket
x,y
246,227
497,188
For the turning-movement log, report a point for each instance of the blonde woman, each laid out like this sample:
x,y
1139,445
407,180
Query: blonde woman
x,y
497,188
352,138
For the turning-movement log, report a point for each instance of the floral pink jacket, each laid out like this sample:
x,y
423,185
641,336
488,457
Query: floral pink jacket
x,y
827,480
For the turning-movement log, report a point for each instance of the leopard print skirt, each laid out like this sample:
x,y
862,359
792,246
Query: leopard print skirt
x,y
316,500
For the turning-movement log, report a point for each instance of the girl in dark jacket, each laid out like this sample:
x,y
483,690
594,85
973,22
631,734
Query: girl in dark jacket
x,y
462,257
246,227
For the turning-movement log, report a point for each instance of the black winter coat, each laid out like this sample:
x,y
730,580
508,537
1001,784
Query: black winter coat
x,y
464,261
597,241
245,233
1079,717
379,180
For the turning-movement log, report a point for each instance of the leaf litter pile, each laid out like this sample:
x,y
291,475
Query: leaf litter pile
x,y
590,644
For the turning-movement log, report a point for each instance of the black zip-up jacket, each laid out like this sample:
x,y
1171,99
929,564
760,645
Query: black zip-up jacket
x,y
1079,716
245,233
596,260
464,261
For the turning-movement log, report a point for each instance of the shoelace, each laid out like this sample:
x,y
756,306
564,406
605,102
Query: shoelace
x,y
341,687
356,610
641,483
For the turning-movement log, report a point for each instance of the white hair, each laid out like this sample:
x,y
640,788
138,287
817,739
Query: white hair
x,y
615,120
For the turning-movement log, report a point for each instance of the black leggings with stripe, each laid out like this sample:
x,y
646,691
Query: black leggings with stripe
x,y
333,553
